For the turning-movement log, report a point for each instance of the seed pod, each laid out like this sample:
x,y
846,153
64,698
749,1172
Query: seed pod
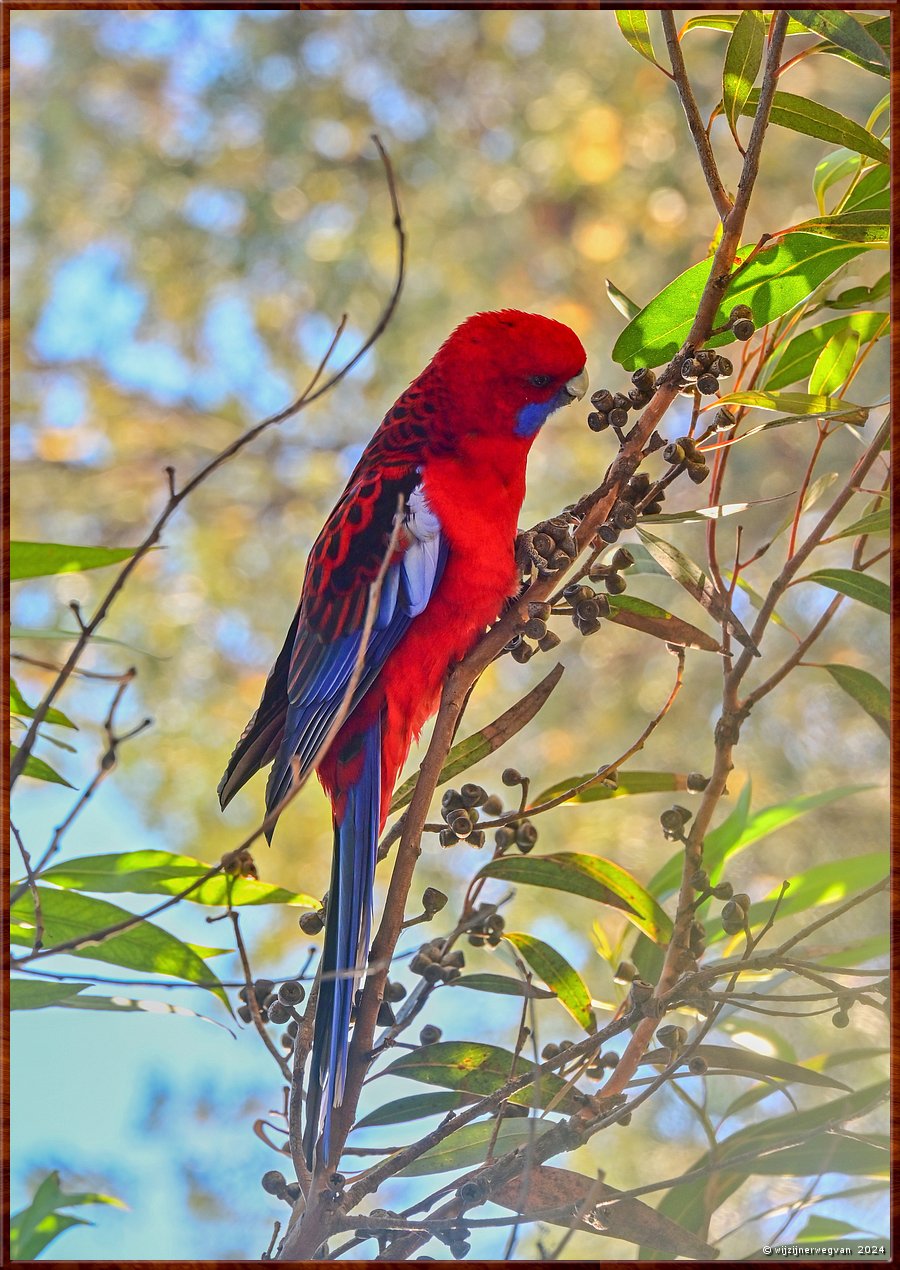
x,y
740,311
559,560
742,899
707,384
841,1019
459,1251
722,367
638,398
504,837
452,800
287,1041
550,641
293,1027
461,824
244,1014
522,653
624,516
696,782
432,973
291,992
494,938
597,422
653,509
588,628
273,1182
608,531
310,923
511,777
616,584
700,880
394,991
683,812
672,824
526,836
549,1051
724,891
385,1016
447,838
641,991
262,988
419,963
278,1013
493,805
476,940
626,971
742,331
618,418
674,453
433,900
456,958
644,378
689,369
587,610
671,1037
472,1192
638,485
698,1065
723,420
429,1034
602,399
622,559
476,838
535,628
542,543
620,402
698,472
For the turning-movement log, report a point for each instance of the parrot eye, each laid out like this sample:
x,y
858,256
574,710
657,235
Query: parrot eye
x,y
539,381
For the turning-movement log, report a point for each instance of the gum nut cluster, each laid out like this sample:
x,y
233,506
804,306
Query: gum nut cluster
x,y
550,546
276,1005
460,812
437,965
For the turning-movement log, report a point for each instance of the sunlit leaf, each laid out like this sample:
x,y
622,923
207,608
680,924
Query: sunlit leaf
x,y
18,705
469,1145
33,1227
634,26
476,747
776,280
734,1058
628,782
844,30
863,225
476,1068
803,405
856,585
563,979
877,522
620,300
700,515
37,559
501,985
866,691
69,915
727,22
589,876
871,191
38,994
162,873
834,363
833,168
403,1110
641,615
815,120
800,354
855,297
41,771
743,58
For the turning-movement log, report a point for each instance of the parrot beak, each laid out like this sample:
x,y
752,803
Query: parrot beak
x,y
578,385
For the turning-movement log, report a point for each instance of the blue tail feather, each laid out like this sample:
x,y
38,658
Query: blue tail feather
x,y
347,931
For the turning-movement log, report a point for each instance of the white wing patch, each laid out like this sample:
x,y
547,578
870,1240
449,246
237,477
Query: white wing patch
x,y
421,562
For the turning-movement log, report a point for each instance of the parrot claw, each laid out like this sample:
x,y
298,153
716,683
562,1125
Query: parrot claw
x,y
548,548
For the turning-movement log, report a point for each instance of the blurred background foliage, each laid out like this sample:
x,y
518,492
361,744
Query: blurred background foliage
x,y
195,201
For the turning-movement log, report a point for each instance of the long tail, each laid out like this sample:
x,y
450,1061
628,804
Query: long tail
x,y
357,820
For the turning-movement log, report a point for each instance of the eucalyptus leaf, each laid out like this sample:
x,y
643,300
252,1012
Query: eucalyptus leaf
x,y
812,119
37,559
856,585
843,30
866,691
39,770
834,363
799,355
743,58
562,979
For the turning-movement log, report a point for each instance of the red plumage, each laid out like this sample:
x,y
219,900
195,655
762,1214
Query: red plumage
x,y
455,447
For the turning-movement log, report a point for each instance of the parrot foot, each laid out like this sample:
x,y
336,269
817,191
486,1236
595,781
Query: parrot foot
x,y
547,548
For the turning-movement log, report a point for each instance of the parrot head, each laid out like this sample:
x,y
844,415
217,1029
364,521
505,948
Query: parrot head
x,y
510,370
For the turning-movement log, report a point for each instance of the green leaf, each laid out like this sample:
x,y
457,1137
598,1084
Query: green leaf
x,y
403,1110
824,1229
135,1005
472,1067
858,586
34,994
162,873
734,1058
40,770
833,168
630,782
802,405
743,58
864,225
877,522
727,22
501,985
58,633
843,30
474,748
866,691
776,280
666,881
871,192
829,883
590,876
812,119
641,615
855,297
32,1228
800,354
562,979
834,363
620,300
18,705
70,915
701,515
37,559
633,25
469,1145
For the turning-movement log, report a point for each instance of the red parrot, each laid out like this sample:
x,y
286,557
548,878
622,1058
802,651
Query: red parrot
x,y
454,446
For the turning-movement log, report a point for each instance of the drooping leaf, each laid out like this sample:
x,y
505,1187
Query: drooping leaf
x,y
800,354
856,585
802,405
727,22
871,192
734,1058
634,26
41,771
833,168
834,363
743,58
544,1189
866,691
589,876
877,522
476,747
502,985
776,280
700,515
69,915
469,1145
38,994
629,782
137,1005
473,1067
697,584
620,301
815,120
403,1110
856,297
563,979
641,615
37,559
54,633
18,705
844,30
862,225
162,873
33,1227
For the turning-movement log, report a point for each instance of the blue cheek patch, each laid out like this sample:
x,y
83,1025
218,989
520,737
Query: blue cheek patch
x,y
532,417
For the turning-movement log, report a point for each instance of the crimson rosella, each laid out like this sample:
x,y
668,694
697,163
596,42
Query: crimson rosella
x,y
454,448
